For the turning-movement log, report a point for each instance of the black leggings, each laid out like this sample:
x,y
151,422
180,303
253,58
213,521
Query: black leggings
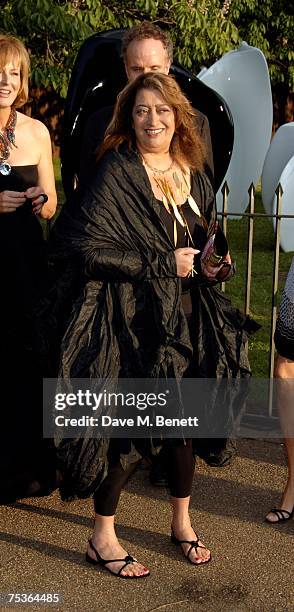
x,y
180,465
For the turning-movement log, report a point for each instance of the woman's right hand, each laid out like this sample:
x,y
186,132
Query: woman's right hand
x,y
11,200
185,260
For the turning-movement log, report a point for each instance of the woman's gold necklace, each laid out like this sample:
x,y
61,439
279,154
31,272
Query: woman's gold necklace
x,y
158,170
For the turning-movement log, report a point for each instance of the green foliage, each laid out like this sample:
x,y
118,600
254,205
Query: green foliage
x,y
202,30
268,25
53,32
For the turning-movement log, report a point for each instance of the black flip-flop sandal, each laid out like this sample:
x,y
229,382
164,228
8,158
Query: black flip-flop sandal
x,y
99,561
193,544
280,514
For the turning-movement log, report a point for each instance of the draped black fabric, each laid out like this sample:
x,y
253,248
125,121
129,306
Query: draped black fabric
x,y
116,238
116,263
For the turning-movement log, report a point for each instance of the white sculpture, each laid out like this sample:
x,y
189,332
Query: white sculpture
x,y
287,225
241,77
279,168
280,151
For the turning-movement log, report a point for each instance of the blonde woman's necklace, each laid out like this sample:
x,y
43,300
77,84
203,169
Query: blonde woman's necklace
x,y
7,141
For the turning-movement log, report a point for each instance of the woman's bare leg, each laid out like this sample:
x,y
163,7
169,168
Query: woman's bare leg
x,y
183,530
106,543
285,372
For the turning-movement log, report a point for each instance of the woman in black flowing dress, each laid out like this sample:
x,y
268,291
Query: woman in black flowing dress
x,y
27,193
146,306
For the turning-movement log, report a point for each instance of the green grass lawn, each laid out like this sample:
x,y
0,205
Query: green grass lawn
x,y
262,270
261,283
60,194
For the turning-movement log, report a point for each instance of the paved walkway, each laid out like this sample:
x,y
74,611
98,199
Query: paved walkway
x,y
42,544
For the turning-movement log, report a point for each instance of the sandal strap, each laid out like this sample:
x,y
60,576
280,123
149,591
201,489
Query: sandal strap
x,y
127,559
279,512
194,544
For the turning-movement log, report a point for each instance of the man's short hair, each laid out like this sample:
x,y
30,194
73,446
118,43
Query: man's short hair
x,y
144,30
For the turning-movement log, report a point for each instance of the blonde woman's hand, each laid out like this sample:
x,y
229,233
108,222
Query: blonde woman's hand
x,y
184,260
36,195
11,200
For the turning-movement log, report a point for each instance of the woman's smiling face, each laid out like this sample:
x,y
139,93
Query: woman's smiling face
x,y
153,121
9,83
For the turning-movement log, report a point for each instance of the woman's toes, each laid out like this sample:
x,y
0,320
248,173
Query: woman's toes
x,y
135,569
195,554
205,554
201,555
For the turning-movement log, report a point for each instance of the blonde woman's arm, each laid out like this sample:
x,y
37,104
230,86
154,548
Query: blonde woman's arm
x,y
46,181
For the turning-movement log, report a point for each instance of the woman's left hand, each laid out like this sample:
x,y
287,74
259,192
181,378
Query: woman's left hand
x,y
210,271
36,195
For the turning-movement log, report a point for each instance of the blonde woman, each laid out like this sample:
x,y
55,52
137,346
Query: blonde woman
x,y
27,193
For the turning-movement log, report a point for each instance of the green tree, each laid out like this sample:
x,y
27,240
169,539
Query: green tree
x,y
202,30
54,30
268,25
